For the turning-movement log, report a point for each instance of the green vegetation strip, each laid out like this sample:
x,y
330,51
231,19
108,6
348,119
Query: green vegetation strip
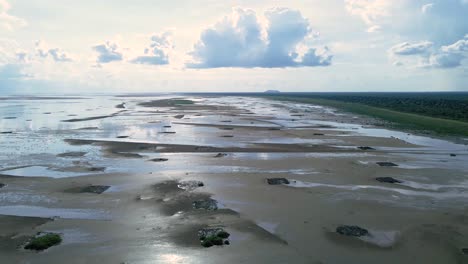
x,y
399,119
43,242
180,102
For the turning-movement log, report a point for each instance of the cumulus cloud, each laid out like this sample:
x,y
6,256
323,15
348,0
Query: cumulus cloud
x,y
57,54
313,57
449,56
157,53
445,60
406,48
245,39
457,47
108,52
8,21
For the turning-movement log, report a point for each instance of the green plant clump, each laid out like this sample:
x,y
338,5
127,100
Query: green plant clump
x,y
213,237
43,242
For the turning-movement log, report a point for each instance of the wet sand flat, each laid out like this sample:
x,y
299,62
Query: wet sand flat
x,y
140,185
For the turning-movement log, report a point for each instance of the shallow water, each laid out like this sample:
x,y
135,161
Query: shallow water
x,y
324,183
458,192
40,171
67,213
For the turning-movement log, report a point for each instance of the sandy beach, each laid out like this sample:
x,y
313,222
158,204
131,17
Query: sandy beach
x,y
134,179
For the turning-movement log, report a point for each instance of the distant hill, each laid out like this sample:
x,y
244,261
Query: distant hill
x,y
272,91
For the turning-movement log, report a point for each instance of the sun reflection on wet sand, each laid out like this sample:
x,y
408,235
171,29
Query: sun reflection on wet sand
x,y
173,259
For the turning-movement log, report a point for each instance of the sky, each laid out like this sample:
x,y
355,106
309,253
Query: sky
x,y
118,46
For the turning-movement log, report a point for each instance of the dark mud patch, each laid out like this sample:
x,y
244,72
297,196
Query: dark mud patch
x,y
96,189
354,231
387,180
88,128
167,103
87,118
366,148
158,160
190,185
387,164
206,204
126,155
120,106
177,201
81,168
277,181
172,199
72,154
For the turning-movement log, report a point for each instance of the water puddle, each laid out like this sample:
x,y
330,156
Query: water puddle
x,y
67,213
435,195
40,171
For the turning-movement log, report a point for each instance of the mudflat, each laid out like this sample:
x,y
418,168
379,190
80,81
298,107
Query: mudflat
x,y
282,182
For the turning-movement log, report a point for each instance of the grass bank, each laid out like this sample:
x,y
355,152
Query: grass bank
x,y
399,119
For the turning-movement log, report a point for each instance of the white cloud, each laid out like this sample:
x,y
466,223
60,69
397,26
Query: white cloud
x,y
8,21
372,12
57,54
459,46
245,39
406,48
445,60
427,8
108,52
158,51
313,57
449,56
